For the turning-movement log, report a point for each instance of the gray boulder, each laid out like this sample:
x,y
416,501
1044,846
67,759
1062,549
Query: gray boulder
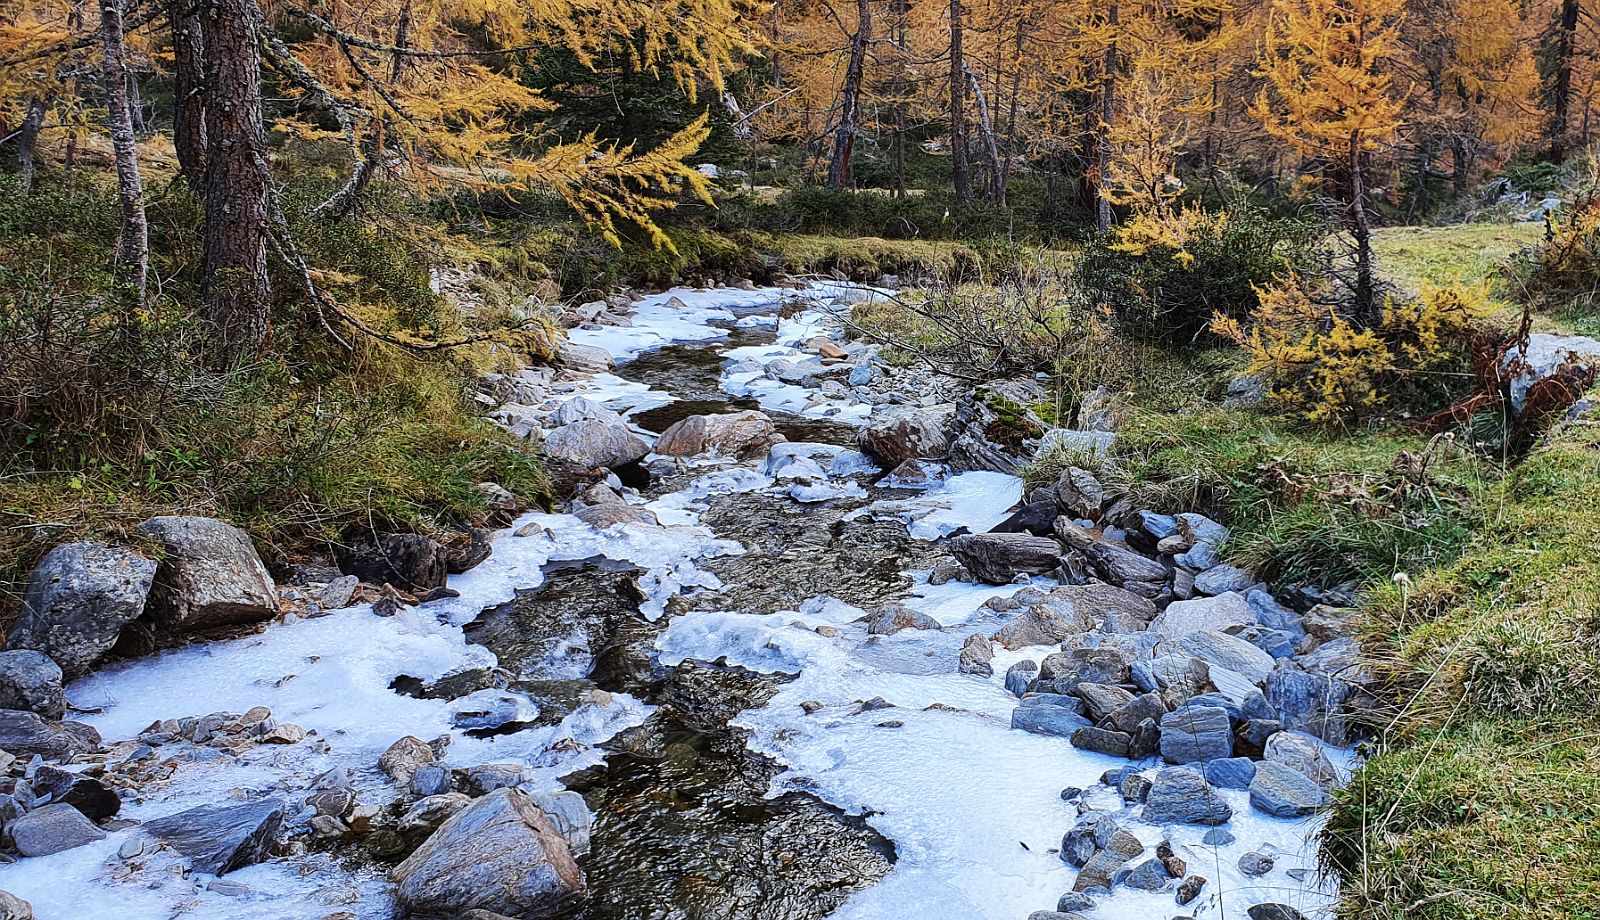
x,y
1220,579
78,599
1149,875
1545,355
1311,703
218,840
579,408
1124,567
1020,677
1230,772
892,618
210,575
409,561
1220,650
24,734
895,438
500,854
1197,528
1196,734
1041,624
1304,754
590,443
739,434
1221,613
52,829
1079,494
1047,719
1179,796
30,681
14,908
975,656
1102,741
1274,911
998,558
1285,792
1085,666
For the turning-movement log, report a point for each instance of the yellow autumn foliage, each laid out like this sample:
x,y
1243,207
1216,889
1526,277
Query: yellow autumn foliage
x,y
1324,367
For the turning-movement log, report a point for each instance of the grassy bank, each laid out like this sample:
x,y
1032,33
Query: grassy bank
x,y
1483,797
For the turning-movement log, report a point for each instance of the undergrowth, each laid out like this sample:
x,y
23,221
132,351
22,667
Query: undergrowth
x,y
110,416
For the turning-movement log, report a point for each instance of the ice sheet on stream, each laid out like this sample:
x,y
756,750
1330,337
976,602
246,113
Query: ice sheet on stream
x,y
747,375
973,806
704,316
331,676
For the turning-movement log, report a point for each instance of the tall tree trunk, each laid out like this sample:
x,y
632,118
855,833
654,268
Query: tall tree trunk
x,y
844,138
188,78
28,142
236,291
1004,185
986,131
1108,107
1361,230
133,242
901,11
960,168
1560,99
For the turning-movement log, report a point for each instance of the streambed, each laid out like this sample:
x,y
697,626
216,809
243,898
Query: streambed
x,y
749,750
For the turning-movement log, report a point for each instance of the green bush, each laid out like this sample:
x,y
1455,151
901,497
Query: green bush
x,y
1165,280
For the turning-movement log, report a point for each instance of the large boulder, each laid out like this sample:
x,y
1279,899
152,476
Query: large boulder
x,y
1196,734
52,829
30,681
1311,703
739,434
998,558
409,561
894,439
218,840
584,360
1221,613
500,854
579,408
1545,356
1220,650
210,575
77,601
14,908
1041,624
1284,792
1124,567
590,443
1179,796
24,734
1304,754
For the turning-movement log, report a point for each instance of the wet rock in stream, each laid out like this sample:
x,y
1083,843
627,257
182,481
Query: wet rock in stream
x,y
796,551
683,828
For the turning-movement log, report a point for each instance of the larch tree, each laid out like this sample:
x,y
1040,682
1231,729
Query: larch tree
x,y
844,136
1330,96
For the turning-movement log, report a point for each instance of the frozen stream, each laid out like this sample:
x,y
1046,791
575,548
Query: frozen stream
x,y
972,807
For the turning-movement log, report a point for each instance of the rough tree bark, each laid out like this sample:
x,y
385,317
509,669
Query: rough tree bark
x,y
1108,107
28,142
1560,101
1361,231
960,167
900,11
844,138
236,290
188,89
133,242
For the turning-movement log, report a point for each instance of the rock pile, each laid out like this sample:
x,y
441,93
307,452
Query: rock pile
x,y
1166,655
